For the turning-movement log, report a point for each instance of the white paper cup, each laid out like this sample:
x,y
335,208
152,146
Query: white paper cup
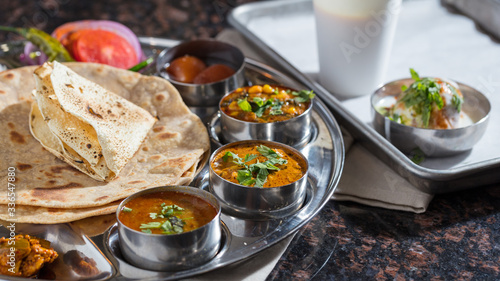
x,y
354,43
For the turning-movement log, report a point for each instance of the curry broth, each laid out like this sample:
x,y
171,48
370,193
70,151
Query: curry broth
x,y
292,171
197,211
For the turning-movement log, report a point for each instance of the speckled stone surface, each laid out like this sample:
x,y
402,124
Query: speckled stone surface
x,y
174,19
458,238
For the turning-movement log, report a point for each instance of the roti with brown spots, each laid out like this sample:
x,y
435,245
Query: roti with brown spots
x,y
89,127
170,154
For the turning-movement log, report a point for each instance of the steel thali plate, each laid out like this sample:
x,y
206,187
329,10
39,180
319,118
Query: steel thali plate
x,y
242,238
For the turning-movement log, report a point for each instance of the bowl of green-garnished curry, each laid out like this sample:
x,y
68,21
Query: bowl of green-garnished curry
x,y
267,112
259,179
436,116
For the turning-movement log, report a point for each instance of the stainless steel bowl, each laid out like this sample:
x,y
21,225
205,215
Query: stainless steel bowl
x,y
294,132
256,202
210,51
176,251
433,142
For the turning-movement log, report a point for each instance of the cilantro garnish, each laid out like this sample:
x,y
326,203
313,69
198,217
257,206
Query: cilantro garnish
x,y
422,95
153,224
244,105
259,105
417,156
456,100
171,225
126,209
276,108
255,174
303,95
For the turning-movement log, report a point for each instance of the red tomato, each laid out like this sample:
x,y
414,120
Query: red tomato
x,y
101,46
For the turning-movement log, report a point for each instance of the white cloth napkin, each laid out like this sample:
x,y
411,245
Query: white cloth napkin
x,y
365,179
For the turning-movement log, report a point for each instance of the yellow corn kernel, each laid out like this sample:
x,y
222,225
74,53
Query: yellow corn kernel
x,y
281,96
291,110
255,89
267,89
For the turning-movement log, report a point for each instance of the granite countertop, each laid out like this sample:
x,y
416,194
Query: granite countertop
x,y
458,237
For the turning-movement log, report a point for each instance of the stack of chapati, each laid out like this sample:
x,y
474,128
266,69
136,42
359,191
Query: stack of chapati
x,y
89,148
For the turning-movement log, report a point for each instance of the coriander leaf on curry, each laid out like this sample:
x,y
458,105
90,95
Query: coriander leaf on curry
x,y
256,165
266,103
166,212
428,103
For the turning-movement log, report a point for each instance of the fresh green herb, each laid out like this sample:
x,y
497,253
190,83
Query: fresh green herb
x,y
276,108
244,105
171,225
259,105
245,177
414,75
422,95
261,177
260,170
237,160
457,100
267,152
169,210
259,101
153,224
126,209
167,226
417,156
303,95
177,224
262,105
48,44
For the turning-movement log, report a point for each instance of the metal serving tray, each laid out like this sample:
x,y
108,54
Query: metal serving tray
x,y
421,42
242,238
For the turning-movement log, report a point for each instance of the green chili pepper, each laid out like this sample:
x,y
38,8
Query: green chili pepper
x,y
142,64
48,44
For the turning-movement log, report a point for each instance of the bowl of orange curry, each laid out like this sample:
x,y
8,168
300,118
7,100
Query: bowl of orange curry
x,y
257,178
267,112
169,228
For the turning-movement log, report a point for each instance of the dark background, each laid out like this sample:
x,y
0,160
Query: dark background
x,y
174,19
457,238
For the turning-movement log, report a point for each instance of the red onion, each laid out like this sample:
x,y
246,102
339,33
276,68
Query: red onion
x,y
26,59
62,31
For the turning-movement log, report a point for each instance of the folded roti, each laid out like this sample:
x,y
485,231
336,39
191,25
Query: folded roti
x,y
89,127
49,190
